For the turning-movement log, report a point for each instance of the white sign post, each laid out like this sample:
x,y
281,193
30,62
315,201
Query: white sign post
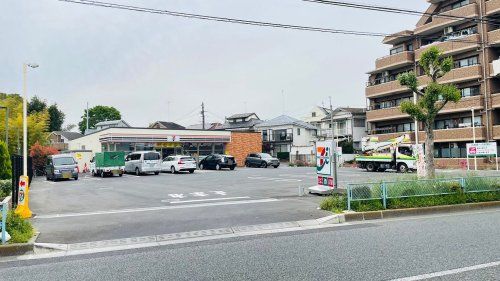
x,y
325,167
482,149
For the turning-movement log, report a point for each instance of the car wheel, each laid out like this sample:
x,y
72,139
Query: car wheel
x,y
137,172
47,177
275,166
121,174
370,167
102,174
217,167
157,173
191,171
402,168
263,165
202,167
172,170
76,178
247,164
232,168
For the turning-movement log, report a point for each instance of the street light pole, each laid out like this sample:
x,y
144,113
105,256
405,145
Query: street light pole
x,y
25,119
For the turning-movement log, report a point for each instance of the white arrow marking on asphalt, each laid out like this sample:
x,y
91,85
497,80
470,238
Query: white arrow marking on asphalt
x,y
180,195
204,200
199,194
218,192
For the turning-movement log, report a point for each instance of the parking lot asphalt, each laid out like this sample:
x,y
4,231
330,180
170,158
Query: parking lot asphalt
x,y
93,209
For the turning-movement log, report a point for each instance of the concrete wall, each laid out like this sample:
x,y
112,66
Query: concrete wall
x,y
243,143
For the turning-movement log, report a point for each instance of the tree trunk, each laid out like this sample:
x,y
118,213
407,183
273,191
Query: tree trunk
x,y
429,151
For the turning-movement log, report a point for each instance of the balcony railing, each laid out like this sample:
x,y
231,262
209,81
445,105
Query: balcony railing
x,y
448,18
396,60
339,132
492,7
278,137
496,132
385,114
453,46
494,37
495,100
455,75
380,89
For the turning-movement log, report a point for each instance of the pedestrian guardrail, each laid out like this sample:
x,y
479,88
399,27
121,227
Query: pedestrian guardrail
x,y
3,206
414,188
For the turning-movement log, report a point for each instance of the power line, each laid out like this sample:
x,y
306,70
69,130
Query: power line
x,y
243,22
398,10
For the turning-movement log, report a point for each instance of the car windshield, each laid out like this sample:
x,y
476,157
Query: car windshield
x,y
151,156
64,161
265,155
187,159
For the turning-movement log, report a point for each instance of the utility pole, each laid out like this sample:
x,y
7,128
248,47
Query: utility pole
x,y
203,116
334,152
87,116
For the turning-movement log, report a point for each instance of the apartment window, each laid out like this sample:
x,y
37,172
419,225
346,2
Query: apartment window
x,y
466,62
409,47
470,91
314,114
443,124
406,127
264,135
298,131
397,50
459,4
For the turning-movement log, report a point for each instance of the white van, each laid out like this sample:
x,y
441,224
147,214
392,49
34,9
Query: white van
x,y
140,162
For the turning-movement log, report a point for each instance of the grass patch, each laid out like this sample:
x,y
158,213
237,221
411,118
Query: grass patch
x,y
335,203
20,230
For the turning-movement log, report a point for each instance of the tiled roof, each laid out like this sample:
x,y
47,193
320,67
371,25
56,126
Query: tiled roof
x,y
284,120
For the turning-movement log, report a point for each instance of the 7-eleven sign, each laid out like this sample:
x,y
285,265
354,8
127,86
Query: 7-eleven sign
x,y
22,202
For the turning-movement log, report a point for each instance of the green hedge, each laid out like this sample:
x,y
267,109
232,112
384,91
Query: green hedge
x,y
5,188
20,230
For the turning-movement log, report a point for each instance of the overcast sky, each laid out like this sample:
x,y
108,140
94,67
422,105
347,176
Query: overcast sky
x,y
144,64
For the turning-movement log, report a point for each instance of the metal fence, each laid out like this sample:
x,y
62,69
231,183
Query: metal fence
x,y
415,188
3,207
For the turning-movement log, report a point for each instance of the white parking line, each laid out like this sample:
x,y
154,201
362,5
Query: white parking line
x,y
449,272
161,208
203,200
275,179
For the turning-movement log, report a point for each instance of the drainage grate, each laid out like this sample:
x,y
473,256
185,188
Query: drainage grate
x,y
194,234
112,243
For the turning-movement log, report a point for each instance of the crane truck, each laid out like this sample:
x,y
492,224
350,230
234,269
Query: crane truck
x,y
396,154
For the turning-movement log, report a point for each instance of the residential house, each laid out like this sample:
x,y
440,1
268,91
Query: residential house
x,y
282,133
208,126
60,139
242,122
349,124
108,124
166,125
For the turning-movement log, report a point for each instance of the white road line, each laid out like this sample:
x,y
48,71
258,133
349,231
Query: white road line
x,y
449,272
202,200
160,208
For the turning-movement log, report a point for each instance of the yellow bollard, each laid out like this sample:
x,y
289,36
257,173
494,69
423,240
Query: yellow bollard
x,y
23,209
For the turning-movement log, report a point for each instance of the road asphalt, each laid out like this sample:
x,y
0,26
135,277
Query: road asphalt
x,y
459,246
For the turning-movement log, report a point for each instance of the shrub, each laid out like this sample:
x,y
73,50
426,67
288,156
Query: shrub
x,y
367,205
362,192
5,164
39,153
335,203
20,230
5,188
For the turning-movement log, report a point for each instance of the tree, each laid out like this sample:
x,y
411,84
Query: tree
x,y
56,118
432,99
5,164
98,114
39,153
36,105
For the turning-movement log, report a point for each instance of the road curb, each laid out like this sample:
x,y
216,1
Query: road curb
x,y
396,213
19,248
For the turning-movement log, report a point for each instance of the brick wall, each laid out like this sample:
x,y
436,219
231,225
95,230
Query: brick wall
x,y
243,143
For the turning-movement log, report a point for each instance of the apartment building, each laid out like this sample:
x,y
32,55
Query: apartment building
x,y
469,32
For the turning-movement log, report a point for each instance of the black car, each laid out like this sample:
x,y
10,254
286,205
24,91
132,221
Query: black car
x,y
262,160
218,161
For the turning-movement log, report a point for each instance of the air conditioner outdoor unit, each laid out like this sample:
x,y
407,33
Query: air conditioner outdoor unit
x,y
448,30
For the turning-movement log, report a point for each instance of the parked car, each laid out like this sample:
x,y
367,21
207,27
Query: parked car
x,y
262,160
141,162
108,163
61,166
178,163
218,161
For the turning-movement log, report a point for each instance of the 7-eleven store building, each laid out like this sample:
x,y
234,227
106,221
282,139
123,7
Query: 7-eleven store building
x,y
170,142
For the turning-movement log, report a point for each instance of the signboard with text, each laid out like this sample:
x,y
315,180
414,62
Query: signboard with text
x,y
324,165
482,149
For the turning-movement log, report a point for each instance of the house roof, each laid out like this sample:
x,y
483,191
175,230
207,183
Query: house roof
x,y
352,110
245,124
242,115
208,126
284,120
111,122
169,125
68,135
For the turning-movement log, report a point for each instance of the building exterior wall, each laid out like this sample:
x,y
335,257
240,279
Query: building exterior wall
x,y
243,143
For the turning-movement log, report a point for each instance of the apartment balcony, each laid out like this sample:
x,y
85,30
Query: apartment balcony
x,y
465,104
459,134
395,61
327,133
385,114
496,132
494,37
440,21
397,38
495,100
278,138
462,74
492,7
451,47
383,89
